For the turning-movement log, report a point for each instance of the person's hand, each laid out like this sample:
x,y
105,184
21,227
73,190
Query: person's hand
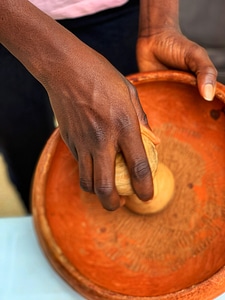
x,y
169,49
99,113
97,109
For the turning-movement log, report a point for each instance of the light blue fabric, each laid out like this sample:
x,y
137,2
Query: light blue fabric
x,y
25,273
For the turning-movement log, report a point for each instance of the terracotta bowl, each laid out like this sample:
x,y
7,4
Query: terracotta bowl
x,y
178,253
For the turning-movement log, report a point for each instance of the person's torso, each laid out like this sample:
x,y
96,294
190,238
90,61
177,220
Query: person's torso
x,y
67,9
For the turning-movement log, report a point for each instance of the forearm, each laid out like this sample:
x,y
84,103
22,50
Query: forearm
x,y
156,15
38,41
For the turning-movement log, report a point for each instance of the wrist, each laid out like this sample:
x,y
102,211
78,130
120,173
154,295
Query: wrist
x,y
156,16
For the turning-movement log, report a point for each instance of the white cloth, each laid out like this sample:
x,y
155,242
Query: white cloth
x,y
66,9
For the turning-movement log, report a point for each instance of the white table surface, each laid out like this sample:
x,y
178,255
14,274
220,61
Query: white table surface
x,y
25,273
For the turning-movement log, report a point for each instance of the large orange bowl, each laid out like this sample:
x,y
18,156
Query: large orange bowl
x,y
178,253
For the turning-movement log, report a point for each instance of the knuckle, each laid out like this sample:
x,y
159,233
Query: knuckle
x,y
197,49
86,185
212,72
97,130
99,136
103,190
124,125
141,170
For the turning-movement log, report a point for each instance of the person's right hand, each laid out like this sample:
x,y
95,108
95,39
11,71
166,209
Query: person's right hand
x,y
97,109
99,113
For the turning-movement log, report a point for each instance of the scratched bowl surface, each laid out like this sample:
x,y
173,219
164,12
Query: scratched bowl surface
x,y
176,253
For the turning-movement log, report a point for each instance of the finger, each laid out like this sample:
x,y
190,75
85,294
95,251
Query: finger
x,y
200,63
104,180
85,163
142,117
206,81
138,166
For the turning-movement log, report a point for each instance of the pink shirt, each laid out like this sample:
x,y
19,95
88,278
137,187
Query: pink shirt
x,y
65,9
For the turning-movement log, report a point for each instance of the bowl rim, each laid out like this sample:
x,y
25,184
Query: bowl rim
x,y
212,287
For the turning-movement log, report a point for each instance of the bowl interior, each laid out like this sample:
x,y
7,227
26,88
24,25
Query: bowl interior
x,y
153,255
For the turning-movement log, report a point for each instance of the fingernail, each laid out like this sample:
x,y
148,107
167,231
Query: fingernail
x,y
208,92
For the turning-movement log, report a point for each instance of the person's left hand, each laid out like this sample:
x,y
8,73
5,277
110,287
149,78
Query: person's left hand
x,y
169,49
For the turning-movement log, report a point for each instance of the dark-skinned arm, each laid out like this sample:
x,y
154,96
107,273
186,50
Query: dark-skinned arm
x,y
97,109
161,45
